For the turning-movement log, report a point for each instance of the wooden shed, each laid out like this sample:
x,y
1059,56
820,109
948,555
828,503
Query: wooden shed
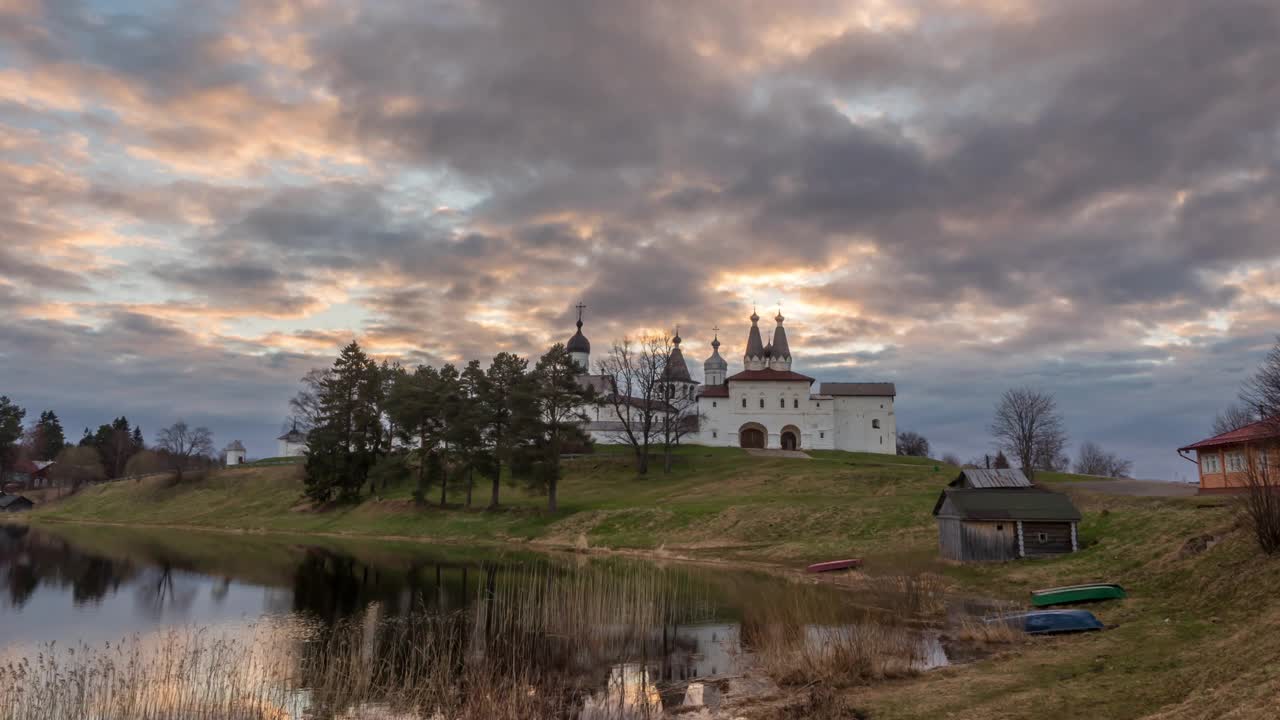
x,y
14,503
1005,523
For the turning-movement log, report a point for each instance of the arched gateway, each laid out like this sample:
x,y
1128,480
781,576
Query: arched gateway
x,y
752,435
790,438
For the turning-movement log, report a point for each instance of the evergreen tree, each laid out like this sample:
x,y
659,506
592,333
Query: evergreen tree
x,y
47,437
344,444
10,432
415,408
1002,462
551,416
138,443
497,391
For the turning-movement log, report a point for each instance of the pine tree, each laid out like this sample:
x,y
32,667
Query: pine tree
x,y
344,444
48,438
415,406
10,431
551,416
497,396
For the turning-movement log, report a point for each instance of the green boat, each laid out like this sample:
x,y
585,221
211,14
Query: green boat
x,y
1076,594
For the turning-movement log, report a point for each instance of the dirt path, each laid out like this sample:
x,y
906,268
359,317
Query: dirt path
x,y
1135,488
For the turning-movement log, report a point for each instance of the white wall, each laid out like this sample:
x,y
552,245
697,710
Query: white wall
x,y
842,423
289,449
785,404
855,425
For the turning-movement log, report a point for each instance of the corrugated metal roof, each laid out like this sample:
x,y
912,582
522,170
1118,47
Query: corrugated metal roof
x,y
860,389
983,478
1008,504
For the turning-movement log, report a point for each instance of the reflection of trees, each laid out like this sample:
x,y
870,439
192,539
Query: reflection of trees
x,y
29,559
160,594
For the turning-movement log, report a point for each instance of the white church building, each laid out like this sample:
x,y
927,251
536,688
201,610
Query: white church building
x,y
768,405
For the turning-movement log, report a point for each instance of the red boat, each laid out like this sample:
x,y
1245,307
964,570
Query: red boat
x,y
833,565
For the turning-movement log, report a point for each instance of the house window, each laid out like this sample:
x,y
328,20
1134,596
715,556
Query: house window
x,y
795,403
782,403
1042,537
761,403
999,528
819,404
1211,464
822,435
744,402
713,403
875,424
714,434
1236,462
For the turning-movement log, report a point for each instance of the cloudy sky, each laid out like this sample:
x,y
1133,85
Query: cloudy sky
x,y
200,201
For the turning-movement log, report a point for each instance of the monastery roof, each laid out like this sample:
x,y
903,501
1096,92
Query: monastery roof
x,y
770,375
294,436
715,391
1260,430
866,389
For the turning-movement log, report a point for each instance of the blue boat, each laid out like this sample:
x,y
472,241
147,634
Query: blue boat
x,y
1051,622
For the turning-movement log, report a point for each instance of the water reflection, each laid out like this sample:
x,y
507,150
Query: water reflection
x,y
298,629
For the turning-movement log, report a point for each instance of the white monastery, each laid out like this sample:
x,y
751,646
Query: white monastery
x,y
766,404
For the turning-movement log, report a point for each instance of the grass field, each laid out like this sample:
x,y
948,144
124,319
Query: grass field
x,y
1198,638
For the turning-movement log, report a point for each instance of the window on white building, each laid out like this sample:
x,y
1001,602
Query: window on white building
x,y
795,403
1236,462
875,424
782,403
819,404
744,402
713,403
822,435
761,403
714,434
1210,464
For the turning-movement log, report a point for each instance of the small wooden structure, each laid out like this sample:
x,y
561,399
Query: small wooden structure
x,y
992,518
14,503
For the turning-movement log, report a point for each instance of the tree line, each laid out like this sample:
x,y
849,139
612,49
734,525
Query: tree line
x,y
113,450
373,425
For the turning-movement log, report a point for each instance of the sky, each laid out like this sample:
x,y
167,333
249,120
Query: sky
x,y
200,201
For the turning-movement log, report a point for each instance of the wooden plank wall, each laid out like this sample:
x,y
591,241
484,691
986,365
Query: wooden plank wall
x,y
1057,538
989,541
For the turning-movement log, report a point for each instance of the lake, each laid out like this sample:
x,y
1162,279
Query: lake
x,y
127,623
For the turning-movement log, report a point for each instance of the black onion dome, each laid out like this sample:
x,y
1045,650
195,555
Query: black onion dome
x,y
579,342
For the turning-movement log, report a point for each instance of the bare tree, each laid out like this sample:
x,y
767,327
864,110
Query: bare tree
x,y
633,401
1093,460
913,444
1261,506
1028,426
1236,416
183,443
306,404
951,459
1262,391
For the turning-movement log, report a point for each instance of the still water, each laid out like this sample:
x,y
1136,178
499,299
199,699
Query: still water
x,y
168,624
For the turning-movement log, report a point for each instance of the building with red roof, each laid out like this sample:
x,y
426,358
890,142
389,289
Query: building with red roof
x,y
1225,460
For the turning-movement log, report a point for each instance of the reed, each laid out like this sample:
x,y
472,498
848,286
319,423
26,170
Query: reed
x,y
540,644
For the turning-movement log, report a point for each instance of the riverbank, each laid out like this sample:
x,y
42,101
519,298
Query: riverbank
x,y
1195,639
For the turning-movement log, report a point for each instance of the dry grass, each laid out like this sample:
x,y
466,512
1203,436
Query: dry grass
x,y
541,647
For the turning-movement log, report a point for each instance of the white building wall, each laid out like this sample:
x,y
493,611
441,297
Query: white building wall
x,y
856,420
235,457
825,423
291,449
773,405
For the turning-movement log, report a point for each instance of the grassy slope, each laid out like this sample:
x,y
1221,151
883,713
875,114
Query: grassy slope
x,y
1197,639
